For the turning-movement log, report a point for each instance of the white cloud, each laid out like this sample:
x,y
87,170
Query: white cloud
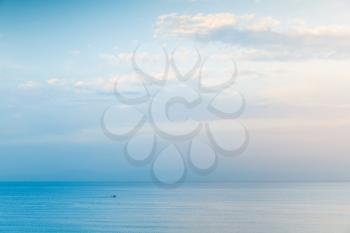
x,y
201,25
264,24
53,81
300,28
110,58
126,82
265,34
28,85
188,25
98,85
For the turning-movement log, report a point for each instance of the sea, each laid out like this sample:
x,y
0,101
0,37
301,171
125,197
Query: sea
x,y
93,207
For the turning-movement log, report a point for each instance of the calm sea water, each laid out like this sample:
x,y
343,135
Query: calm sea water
x,y
214,208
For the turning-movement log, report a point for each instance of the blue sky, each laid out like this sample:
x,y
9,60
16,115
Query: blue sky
x,y
59,59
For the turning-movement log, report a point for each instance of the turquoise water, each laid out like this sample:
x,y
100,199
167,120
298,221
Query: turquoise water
x,y
214,208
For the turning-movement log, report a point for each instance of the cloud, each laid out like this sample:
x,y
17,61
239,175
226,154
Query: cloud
x,y
204,26
127,82
274,40
101,85
28,85
110,58
188,25
106,85
53,81
264,24
300,28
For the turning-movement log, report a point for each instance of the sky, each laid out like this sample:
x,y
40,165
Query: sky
x,y
59,61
